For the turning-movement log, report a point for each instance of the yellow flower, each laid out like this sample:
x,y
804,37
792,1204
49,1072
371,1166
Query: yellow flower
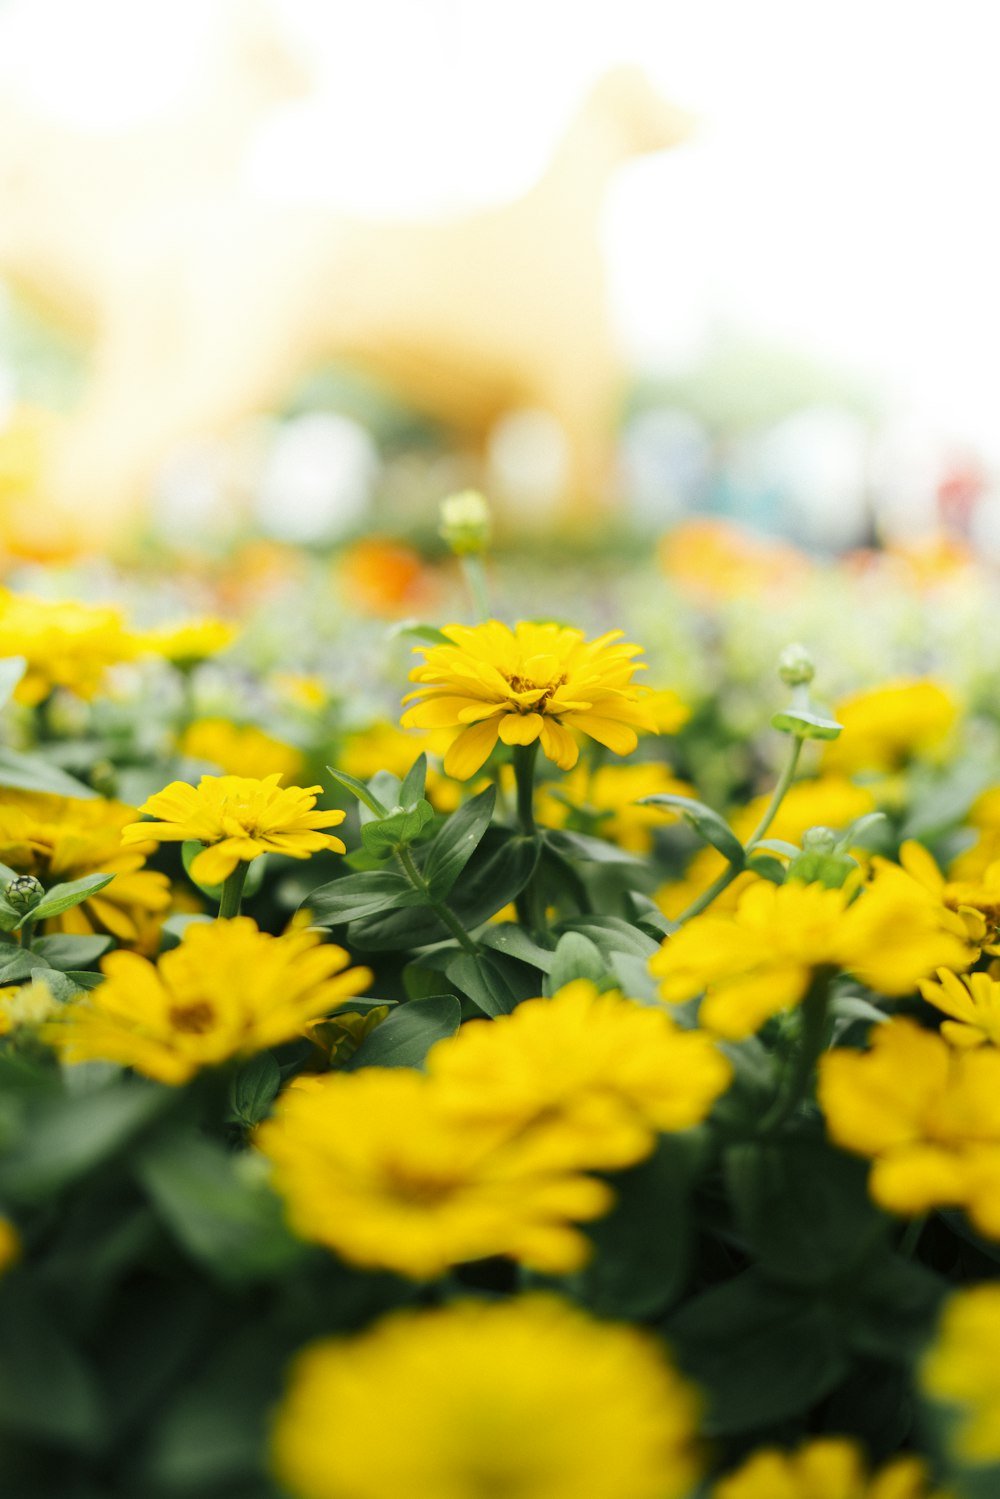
x,y
524,1399
25,1004
976,900
972,1001
928,1117
962,1369
984,816
374,1164
240,750
238,818
607,796
384,746
227,990
535,682
825,1468
188,643
591,1077
762,958
65,645
667,709
10,1244
885,728
58,839
303,690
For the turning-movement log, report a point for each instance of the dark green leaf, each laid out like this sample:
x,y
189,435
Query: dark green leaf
x,y
494,877
65,951
384,835
16,964
72,1134
358,789
894,1309
46,1389
406,1035
62,897
582,846
359,895
708,824
457,841
610,934
576,957
412,789
496,984
254,1088
509,938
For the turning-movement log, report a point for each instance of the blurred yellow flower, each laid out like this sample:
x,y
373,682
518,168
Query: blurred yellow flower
x,y
191,641
240,750
974,1003
825,1468
667,709
524,1399
227,990
961,1369
535,682
372,1164
928,1117
761,958
10,1244
301,689
593,1078
238,818
58,839
65,645
29,1004
887,727
984,816
607,798
384,746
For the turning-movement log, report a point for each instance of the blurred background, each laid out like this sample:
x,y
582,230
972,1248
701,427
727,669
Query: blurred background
x,y
299,268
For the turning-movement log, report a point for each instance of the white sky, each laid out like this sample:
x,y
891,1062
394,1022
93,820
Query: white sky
x,y
840,196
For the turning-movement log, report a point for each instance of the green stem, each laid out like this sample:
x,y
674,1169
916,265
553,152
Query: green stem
x,y
912,1236
443,912
524,775
814,1011
232,892
474,574
27,933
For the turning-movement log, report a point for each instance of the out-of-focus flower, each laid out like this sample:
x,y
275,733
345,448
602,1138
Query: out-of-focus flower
x,y
528,1399
190,642
605,800
714,559
301,689
466,522
28,1005
825,1468
58,839
384,746
961,1370
886,728
240,749
227,990
238,818
65,645
984,816
535,682
667,709
383,577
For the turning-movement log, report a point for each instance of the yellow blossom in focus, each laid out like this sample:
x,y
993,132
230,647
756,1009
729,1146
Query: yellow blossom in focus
x,y
973,1002
58,839
607,797
524,1399
826,1468
535,682
226,990
593,1077
372,1164
762,957
976,901
191,641
10,1244
240,750
887,727
65,645
961,1369
927,1116
238,818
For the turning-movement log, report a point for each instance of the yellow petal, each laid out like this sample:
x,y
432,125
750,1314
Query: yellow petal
x,y
471,749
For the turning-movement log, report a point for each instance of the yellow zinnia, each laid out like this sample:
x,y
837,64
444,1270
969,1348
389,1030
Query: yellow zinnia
x,y
58,839
962,1369
528,1399
189,642
65,644
374,1164
226,990
973,1002
885,728
238,819
240,749
826,1468
535,682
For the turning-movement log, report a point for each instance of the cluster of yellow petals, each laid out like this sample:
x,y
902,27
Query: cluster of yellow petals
x,y
226,990
926,1115
525,1399
885,728
189,642
761,958
484,1153
240,749
962,1370
976,899
826,1468
972,1002
238,818
535,682
68,645
58,839
609,795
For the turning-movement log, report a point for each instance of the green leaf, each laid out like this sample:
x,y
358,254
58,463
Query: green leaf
x,y
401,828
12,669
64,951
706,823
457,841
412,629
495,984
495,876
62,897
62,986
69,1135
358,789
761,1353
895,1309
20,772
46,1389
359,895
406,1035
583,846
767,868
16,963
412,789
254,1089
576,957
806,723
610,934
512,940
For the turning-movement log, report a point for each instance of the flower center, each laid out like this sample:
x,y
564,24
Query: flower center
x,y
525,684
194,1019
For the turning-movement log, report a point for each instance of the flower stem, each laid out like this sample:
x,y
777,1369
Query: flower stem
x,y
474,574
814,1011
443,912
232,891
524,774
27,932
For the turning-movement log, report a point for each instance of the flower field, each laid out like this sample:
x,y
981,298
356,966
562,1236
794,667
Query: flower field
x,y
475,1029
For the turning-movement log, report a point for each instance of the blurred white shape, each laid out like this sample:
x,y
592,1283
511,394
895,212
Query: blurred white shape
x,y
815,462
527,463
318,478
666,456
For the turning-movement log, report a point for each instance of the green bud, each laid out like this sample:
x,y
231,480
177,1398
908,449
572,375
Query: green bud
x,y
819,841
466,522
796,667
23,893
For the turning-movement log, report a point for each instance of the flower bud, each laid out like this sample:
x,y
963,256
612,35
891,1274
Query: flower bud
x,y
796,667
466,522
23,893
819,841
